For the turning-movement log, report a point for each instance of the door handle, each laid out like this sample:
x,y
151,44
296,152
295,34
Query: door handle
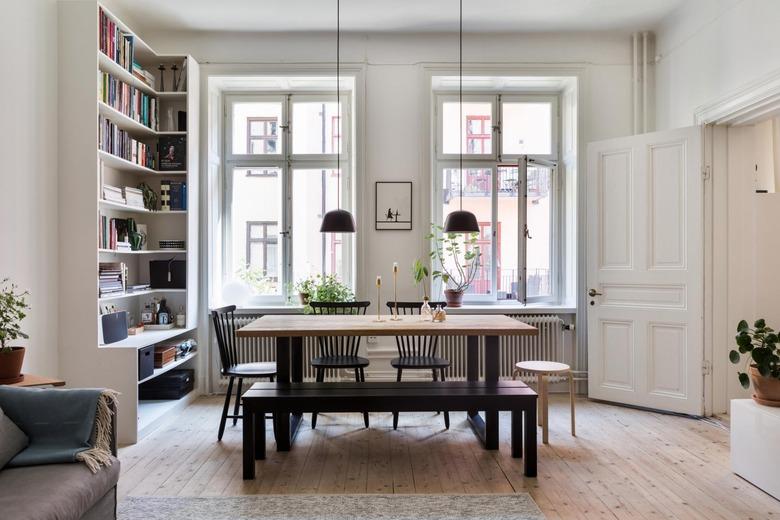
x,y
593,293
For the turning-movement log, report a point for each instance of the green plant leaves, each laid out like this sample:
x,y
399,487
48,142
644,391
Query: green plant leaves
x,y
742,326
734,356
744,380
760,324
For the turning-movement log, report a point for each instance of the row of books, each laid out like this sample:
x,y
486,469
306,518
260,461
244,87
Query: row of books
x,y
173,195
116,43
132,102
112,234
143,74
132,197
112,277
116,141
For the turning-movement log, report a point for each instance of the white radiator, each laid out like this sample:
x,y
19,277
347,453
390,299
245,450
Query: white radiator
x,y
548,345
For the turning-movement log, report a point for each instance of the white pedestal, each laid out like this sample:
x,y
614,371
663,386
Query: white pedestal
x,y
755,438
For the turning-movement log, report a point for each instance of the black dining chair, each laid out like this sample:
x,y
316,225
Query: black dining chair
x,y
337,352
418,352
225,329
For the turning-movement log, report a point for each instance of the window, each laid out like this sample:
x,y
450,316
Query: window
x,y
509,183
280,179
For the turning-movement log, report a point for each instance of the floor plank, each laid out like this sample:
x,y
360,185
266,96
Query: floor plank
x,y
623,464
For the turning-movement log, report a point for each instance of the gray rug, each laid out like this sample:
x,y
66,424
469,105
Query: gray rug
x,y
331,507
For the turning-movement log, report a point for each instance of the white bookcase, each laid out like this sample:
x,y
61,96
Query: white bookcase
x,y
83,169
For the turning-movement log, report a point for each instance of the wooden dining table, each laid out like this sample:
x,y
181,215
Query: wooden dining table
x,y
289,331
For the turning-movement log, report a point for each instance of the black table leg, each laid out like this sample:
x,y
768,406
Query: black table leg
x,y
289,367
248,427
472,374
529,439
491,376
259,429
282,420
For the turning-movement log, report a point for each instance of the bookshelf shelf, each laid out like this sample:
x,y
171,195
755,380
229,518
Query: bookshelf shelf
x,y
144,252
146,338
170,366
87,35
132,209
126,123
147,292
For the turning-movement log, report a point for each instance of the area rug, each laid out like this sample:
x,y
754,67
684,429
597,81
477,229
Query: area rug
x,y
519,506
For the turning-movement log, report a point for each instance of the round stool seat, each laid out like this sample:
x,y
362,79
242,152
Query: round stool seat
x,y
543,367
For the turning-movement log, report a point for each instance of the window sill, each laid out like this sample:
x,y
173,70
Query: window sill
x,y
469,308
270,309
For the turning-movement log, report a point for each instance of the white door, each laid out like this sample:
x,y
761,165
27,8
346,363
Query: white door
x,y
645,270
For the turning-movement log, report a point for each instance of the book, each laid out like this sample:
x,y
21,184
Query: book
x,y
130,101
134,197
178,195
172,150
165,195
116,141
112,277
116,43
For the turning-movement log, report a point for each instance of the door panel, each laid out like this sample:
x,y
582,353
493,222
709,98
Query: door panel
x,y
645,269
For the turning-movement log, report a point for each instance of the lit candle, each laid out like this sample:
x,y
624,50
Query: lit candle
x,y
395,292
395,267
378,298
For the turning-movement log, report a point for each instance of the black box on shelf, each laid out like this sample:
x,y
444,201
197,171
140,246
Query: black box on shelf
x,y
171,385
168,274
113,327
145,362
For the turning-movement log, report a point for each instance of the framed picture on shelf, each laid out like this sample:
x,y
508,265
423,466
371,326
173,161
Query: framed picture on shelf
x,y
393,201
173,153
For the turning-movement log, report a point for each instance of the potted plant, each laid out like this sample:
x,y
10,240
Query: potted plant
x,y
13,305
763,362
458,258
305,289
327,288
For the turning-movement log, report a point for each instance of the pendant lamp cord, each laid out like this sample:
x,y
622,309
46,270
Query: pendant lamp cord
x,y
338,106
460,98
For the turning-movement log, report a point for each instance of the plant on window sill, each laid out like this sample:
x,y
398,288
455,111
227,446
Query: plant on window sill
x,y
256,279
326,288
458,260
763,362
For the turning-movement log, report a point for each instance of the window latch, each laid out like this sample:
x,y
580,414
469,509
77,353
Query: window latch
x,y
527,233
284,233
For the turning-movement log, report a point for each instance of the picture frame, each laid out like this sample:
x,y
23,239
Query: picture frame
x,y
393,205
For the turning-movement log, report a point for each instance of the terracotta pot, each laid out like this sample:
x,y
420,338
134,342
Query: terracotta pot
x,y
454,298
11,366
304,297
766,390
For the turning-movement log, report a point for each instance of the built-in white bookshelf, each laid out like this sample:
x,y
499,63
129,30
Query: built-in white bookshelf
x,y
85,168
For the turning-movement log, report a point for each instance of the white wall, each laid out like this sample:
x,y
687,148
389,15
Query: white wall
x,y
28,176
708,49
395,99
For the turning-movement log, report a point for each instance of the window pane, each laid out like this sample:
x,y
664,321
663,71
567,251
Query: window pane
x,y
316,128
314,193
477,126
507,233
256,127
477,198
538,246
526,128
255,217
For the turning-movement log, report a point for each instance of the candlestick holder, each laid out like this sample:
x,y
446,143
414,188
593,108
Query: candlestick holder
x,y
395,316
379,299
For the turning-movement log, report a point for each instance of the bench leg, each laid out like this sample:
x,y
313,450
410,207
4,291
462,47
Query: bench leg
x,y
249,444
529,440
395,414
517,434
259,430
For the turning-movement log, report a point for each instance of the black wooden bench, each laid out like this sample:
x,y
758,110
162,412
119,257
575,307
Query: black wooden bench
x,y
451,396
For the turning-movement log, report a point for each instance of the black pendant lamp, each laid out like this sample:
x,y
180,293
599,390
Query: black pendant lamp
x,y
461,221
338,220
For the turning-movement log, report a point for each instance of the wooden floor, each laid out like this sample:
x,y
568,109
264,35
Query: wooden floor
x,y
624,463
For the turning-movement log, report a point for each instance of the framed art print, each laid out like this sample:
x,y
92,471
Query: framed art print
x,y
393,205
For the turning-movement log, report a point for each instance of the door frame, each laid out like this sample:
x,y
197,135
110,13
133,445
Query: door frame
x,y
747,105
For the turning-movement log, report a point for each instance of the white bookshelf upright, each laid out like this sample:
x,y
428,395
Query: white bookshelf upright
x,y
83,170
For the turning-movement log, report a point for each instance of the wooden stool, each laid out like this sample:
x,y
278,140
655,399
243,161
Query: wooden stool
x,y
542,369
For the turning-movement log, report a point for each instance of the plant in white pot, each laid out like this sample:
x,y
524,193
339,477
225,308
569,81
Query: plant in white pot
x,y
13,305
457,256
759,344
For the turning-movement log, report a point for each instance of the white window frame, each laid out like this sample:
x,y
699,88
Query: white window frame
x,y
493,161
286,162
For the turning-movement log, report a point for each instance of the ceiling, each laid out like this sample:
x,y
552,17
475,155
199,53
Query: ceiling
x,y
397,15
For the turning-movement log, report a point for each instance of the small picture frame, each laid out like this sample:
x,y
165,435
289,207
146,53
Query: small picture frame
x,y
393,203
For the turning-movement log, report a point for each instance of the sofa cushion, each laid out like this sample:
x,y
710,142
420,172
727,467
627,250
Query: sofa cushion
x,y
54,491
12,439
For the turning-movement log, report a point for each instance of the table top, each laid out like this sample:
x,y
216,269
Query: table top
x,y
35,380
290,325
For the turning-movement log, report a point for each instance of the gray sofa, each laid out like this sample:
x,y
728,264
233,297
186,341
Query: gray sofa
x,y
60,491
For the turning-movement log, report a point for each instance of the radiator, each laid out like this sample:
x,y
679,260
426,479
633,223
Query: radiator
x,y
548,345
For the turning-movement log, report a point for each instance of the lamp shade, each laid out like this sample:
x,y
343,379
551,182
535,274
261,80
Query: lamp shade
x,y
461,221
338,221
